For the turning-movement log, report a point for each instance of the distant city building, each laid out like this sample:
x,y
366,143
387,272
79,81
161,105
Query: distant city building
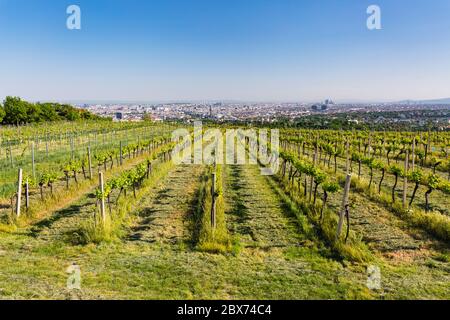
x,y
321,107
119,116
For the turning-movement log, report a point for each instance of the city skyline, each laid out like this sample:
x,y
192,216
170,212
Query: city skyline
x,y
225,50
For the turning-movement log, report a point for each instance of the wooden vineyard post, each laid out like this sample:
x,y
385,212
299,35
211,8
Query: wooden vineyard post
x,y
312,178
428,147
102,200
121,155
11,156
19,193
405,180
413,154
213,201
347,159
139,145
32,160
343,205
27,194
89,162
72,148
149,168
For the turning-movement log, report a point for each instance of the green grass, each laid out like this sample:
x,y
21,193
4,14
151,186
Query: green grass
x,y
34,267
435,223
94,230
160,271
354,249
214,240
60,149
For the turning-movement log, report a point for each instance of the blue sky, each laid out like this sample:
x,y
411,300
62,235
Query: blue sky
x,y
259,50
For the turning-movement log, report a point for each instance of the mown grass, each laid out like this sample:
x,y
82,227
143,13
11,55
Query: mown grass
x,y
95,230
353,249
439,201
62,197
209,239
434,223
59,149
35,268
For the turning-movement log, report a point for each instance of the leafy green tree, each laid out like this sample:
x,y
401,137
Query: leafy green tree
x,y
68,112
34,112
48,112
2,113
15,111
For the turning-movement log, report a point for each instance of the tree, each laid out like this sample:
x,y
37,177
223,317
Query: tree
x,y
48,112
15,111
2,113
34,112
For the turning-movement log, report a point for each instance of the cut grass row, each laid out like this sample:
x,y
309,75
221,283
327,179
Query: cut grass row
x,y
434,223
324,229
63,197
212,238
115,225
60,152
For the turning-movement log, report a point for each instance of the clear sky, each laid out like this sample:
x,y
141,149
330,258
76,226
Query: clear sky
x,y
283,50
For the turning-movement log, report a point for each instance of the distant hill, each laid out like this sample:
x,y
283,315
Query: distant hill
x,y
435,101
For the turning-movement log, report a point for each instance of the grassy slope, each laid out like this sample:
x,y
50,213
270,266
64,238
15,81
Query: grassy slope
x,y
255,213
438,200
285,266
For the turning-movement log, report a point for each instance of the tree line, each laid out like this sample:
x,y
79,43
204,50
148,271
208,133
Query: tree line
x,y
15,111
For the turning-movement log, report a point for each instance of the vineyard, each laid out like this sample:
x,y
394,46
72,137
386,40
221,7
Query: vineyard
x,y
110,198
